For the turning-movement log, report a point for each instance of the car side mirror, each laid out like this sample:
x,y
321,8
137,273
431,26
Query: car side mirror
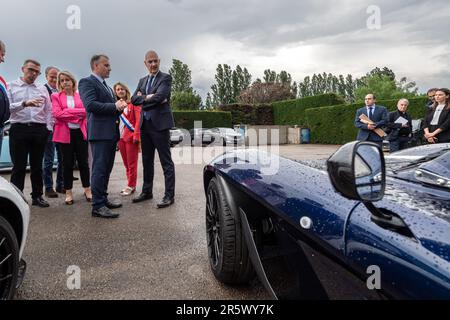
x,y
357,171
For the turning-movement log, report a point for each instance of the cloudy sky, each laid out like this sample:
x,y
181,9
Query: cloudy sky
x,y
300,36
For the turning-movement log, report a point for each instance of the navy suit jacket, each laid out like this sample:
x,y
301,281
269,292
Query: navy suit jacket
x,y
160,111
380,116
102,115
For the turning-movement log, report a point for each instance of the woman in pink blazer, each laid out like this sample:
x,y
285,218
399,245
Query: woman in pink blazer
x,y
70,132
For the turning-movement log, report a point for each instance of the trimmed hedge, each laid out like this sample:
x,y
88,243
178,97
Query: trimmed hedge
x,y
336,124
292,112
259,114
210,119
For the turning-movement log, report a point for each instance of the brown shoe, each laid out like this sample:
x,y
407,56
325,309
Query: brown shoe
x,y
51,193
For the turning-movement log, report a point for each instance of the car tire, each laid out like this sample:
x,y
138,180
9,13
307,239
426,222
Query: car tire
x,y
227,250
9,260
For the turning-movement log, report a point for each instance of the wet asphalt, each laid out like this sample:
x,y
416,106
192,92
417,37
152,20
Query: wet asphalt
x,y
147,253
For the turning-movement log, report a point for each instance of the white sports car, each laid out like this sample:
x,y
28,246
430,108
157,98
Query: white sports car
x,y
14,220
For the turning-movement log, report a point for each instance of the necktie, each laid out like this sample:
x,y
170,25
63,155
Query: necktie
x,y
149,84
107,88
370,113
149,87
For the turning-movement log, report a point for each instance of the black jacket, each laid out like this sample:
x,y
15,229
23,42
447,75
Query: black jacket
x,y
396,130
4,108
443,123
158,105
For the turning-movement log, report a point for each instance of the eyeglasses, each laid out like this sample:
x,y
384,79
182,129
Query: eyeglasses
x,y
33,70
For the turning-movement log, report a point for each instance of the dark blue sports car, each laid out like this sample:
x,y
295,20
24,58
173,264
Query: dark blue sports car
x,y
357,226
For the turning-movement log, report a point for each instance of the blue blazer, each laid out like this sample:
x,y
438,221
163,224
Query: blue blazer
x,y
160,111
102,115
380,116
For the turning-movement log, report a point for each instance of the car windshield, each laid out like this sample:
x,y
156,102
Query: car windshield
x,y
411,158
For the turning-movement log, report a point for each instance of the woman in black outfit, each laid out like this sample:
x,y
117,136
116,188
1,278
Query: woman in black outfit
x,y
437,120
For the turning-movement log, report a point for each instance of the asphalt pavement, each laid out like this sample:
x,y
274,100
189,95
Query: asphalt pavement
x,y
147,253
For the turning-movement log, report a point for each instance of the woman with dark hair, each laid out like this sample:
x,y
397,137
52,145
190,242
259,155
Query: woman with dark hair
x,y
71,133
437,120
130,137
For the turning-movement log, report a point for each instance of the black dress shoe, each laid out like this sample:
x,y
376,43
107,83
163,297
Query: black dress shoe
x,y
166,201
40,202
113,205
104,212
142,197
61,190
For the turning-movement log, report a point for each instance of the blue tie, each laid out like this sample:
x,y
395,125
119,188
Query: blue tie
x,y
149,87
370,113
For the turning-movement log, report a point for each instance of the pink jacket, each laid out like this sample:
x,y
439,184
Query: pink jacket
x,y
64,115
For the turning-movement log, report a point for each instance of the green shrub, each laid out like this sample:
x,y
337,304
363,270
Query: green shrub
x,y
292,112
185,101
259,114
210,119
336,124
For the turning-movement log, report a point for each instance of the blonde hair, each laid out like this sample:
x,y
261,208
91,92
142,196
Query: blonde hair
x,y
70,76
128,97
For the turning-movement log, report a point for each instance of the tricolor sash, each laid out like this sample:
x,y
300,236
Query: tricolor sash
x,y
3,85
126,122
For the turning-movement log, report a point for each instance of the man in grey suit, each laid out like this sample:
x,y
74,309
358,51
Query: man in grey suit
x,y
153,94
378,115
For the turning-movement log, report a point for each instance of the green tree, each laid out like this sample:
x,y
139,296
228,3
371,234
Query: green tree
x,y
229,84
183,100
181,77
384,87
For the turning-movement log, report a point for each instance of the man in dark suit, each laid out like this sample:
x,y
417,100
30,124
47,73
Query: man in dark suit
x,y
377,114
4,102
103,113
153,94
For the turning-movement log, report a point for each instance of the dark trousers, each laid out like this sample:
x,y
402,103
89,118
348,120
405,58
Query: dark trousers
x,y
157,140
103,153
28,141
398,144
77,148
49,158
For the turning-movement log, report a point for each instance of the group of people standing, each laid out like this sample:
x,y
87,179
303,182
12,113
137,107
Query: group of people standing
x,y
398,124
86,122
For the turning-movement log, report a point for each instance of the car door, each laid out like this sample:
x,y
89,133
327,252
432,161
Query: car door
x,y
407,263
313,226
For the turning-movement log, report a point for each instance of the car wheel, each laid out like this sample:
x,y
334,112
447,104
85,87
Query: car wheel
x,y
227,250
9,260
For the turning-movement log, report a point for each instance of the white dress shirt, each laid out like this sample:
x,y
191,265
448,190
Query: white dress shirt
x,y
18,92
437,114
71,105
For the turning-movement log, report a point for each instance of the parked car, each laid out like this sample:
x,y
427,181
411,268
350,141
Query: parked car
x,y
358,226
176,136
224,136
14,219
198,136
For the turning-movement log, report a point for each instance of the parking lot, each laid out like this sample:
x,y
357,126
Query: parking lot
x,y
147,253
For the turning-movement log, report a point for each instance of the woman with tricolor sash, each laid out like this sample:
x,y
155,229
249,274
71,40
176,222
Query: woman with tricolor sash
x,y
130,137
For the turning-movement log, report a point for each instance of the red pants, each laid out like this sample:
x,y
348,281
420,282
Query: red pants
x,y
130,154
